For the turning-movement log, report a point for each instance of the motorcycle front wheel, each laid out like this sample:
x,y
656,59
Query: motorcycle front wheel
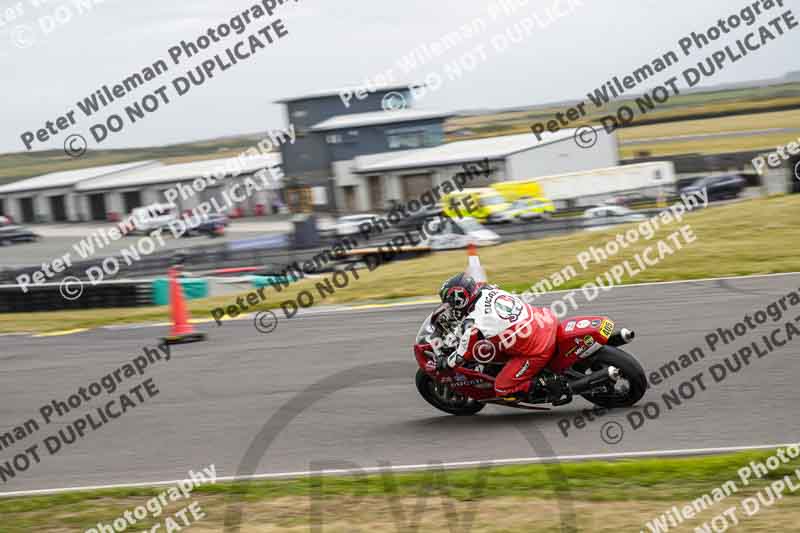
x,y
444,398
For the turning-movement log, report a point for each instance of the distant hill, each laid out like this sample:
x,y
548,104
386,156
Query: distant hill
x,y
751,97
20,165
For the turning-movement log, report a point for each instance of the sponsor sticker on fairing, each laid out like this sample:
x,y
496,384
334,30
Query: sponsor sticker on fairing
x,y
607,329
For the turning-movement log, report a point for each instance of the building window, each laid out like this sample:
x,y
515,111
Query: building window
x,y
413,137
299,113
339,138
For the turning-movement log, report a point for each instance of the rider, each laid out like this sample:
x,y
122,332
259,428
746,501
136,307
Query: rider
x,y
498,326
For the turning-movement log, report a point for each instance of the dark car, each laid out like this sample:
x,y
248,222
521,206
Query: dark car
x,y
631,198
418,218
718,187
10,233
212,226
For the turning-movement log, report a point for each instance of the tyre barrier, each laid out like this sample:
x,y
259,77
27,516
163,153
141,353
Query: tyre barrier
x,y
54,296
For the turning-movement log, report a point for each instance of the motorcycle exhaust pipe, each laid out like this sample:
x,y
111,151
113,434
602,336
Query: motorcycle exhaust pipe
x,y
623,336
594,379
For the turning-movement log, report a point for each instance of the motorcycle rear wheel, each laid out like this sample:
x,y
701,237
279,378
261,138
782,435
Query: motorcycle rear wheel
x,y
629,389
456,405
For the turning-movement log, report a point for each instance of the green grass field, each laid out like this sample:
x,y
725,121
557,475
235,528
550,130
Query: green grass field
x,y
602,496
725,234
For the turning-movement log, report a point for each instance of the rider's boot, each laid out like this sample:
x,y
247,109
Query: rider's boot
x,y
555,387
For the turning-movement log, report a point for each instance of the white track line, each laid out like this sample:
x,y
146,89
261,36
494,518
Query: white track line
x,y
419,467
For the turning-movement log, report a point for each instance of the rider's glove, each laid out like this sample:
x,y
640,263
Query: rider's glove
x,y
454,360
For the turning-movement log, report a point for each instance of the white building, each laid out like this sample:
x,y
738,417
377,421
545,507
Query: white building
x,y
52,197
122,192
374,181
113,191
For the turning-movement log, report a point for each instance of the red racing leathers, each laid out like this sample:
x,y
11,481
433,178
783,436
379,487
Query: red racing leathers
x,y
503,328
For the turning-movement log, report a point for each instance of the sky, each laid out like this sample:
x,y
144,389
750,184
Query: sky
x,y
573,47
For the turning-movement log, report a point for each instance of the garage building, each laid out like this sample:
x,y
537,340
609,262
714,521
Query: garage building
x,y
122,192
112,192
52,197
383,179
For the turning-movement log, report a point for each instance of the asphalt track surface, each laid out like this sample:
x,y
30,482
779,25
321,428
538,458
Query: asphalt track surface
x,y
216,397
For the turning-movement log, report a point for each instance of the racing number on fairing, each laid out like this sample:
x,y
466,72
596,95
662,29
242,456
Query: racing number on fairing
x,y
606,328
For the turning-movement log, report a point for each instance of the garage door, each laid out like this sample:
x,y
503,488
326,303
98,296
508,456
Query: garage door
x,y
26,206
415,185
131,200
376,200
97,205
58,208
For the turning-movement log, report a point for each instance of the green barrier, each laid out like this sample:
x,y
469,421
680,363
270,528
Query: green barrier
x,y
193,288
269,281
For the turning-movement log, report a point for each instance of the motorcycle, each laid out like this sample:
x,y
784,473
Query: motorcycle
x,y
588,356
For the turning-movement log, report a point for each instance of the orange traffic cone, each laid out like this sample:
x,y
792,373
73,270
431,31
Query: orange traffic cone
x,y
182,330
474,268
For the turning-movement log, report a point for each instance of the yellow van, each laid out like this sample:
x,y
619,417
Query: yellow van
x,y
532,209
484,204
514,190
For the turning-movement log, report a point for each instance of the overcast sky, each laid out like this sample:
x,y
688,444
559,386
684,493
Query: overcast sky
x,y
334,43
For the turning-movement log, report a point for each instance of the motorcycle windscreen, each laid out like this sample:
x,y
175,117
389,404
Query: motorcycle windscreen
x,y
426,331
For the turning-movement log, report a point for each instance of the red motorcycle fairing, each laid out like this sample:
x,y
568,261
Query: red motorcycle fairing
x,y
468,382
578,338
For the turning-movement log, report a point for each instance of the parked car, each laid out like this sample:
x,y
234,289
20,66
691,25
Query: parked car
x,y
149,218
613,213
447,234
532,209
11,233
349,225
416,219
631,198
212,226
718,187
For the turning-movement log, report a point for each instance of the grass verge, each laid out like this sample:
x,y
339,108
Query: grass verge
x,y
751,237
606,496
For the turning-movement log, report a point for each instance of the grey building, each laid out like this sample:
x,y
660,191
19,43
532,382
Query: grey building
x,y
330,131
368,153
